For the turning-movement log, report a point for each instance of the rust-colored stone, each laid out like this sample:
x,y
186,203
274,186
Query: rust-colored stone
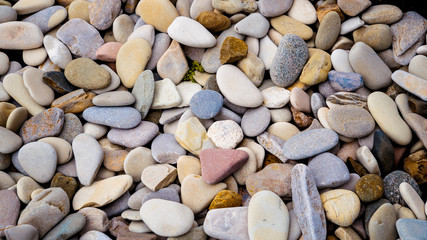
x,y
301,120
416,165
358,168
74,102
225,199
233,50
130,6
213,21
68,184
324,9
114,160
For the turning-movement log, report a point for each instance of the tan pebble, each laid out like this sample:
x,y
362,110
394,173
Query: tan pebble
x,y
63,148
96,219
16,118
79,9
114,160
187,165
24,187
283,130
136,161
158,176
34,57
39,91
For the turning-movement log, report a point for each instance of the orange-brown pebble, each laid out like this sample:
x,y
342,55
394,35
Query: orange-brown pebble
x,y
233,50
214,22
225,199
114,160
74,102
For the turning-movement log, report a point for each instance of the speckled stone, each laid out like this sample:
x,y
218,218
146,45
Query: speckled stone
x,y
351,121
134,137
117,117
58,82
307,204
80,37
48,123
255,121
328,171
370,188
165,149
313,141
206,104
72,127
391,186
275,177
289,60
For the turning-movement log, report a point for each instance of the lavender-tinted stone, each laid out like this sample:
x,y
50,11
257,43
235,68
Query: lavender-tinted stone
x,y
234,107
69,169
170,115
328,171
310,143
411,229
272,144
343,81
116,117
226,114
80,37
118,206
406,32
135,137
317,101
255,121
290,58
206,104
227,223
103,12
165,149
274,8
308,207
135,200
326,89
69,226
72,127
168,193
41,18
48,123
9,209
391,186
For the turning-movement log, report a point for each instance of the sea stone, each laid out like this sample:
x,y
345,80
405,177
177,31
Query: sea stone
x,y
143,91
226,199
372,33
255,121
151,10
346,98
351,121
165,149
45,124
218,221
382,13
68,184
275,177
20,35
48,18
172,64
289,60
58,82
307,203
117,117
285,25
232,50
74,102
411,83
411,228
85,73
72,127
328,171
383,223
87,162
9,206
343,81
67,228
206,104
103,12
314,141
414,164
317,67
80,37
213,21
383,151
52,202
232,7
158,176
135,137
352,8
370,188
38,159
328,31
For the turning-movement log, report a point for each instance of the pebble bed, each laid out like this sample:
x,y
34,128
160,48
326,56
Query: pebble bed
x,y
212,119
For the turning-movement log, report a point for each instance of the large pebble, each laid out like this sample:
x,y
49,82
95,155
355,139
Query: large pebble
x,y
20,35
328,171
217,223
307,203
317,67
328,31
255,121
88,155
413,200
309,143
351,121
24,231
240,91
374,71
103,12
192,136
345,81
382,224
386,115
158,176
9,207
9,141
372,34
268,216
341,206
273,8
85,73
68,227
411,228
275,177
52,202
411,83
382,13
116,117
206,104
254,25
289,60
7,14
391,186
48,18
275,97
114,98
225,134
39,160
167,218
352,8
80,37
57,51
102,192
48,123
166,95
303,11
190,33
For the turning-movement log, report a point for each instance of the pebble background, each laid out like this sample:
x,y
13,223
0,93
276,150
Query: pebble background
x,y
213,119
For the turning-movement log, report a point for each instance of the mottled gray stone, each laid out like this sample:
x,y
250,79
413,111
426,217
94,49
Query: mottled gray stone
x,y
165,149
134,137
328,170
116,117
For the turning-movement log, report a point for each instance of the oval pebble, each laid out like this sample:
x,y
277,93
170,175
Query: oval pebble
x,y
206,104
351,121
165,149
255,121
328,171
116,117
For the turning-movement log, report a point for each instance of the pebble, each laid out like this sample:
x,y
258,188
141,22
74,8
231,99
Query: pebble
x,y
342,119
346,98
136,161
275,97
192,136
34,57
8,14
172,64
267,51
198,7
165,149
289,60
328,171
206,104
80,70
225,134
24,231
20,35
232,50
344,81
57,81
352,8
370,188
113,99
158,176
384,111
382,14
255,121
166,95
410,228
68,184
10,142
196,194
317,68
414,201
246,26
370,35
382,224
24,188
411,83
253,67
191,33
48,18
300,100
52,202
38,159
101,192
103,12
328,31
416,66
235,6
392,182
57,51
275,177
286,25
123,26
88,156
267,216
272,144
307,204
108,51
116,117
303,11
166,10
94,235
72,127
218,221
84,42
135,137
143,91
241,90
10,206
45,124
68,227
341,206
168,193
213,21
314,142
374,71
350,25
39,91
96,219
226,162
367,159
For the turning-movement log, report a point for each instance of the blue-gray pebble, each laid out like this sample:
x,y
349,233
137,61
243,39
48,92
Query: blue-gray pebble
x,y
310,143
206,104
165,149
343,81
411,229
328,171
289,60
116,117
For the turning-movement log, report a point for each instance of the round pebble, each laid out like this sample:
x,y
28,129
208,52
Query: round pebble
x,y
206,104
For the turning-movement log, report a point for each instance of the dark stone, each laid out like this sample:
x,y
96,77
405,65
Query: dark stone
x,y
68,184
383,151
58,82
391,186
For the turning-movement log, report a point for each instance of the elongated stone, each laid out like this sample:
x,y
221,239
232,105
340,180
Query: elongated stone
x,y
45,124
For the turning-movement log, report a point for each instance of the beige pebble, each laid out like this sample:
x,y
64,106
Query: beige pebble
x,y
413,200
39,91
187,165
158,176
247,169
283,130
403,212
24,187
63,148
23,7
6,181
34,57
79,9
281,115
136,161
16,118
96,219
122,28
256,148
95,130
367,159
35,192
